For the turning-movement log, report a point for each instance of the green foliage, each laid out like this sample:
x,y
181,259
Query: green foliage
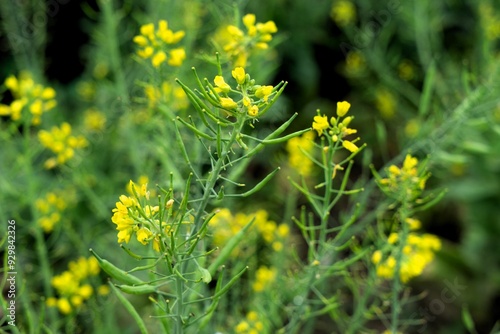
x,y
244,197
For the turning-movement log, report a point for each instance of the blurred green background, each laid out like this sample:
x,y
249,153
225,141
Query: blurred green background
x,y
420,75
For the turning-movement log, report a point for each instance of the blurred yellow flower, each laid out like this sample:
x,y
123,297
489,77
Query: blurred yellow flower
x,y
298,148
60,141
252,324
263,278
238,45
343,12
28,95
386,103
155,44
72,286
94,120
417,254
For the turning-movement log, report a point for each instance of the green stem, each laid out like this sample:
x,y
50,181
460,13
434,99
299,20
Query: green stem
x,y
325,211
41,247
214,175
198,221
397,284
113,46
179,287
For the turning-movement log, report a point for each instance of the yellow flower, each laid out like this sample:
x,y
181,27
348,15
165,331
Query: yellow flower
x,y
64,306
343,12
177,56
377,256
156,44
252,324
351,147
103,290
221,84
298,148
225,226
406,181
320,123
94,120
393,238
242,327
158,58
61,142
267,28
238,45
143,235
239,74
253,111
72,285
263,92
343,108
50,209
85,291
414,224
30,95
51,302
409,164
228,103
264,277
249,22
418,252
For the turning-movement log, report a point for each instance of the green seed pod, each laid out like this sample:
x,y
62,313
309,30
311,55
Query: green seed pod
x,y
116,272
137,290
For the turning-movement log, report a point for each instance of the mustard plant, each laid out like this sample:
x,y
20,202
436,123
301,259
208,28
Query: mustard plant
x,y
177,225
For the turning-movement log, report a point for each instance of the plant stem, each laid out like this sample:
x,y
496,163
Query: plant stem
x,y
214,175
41,247
179,287
207,191
397,286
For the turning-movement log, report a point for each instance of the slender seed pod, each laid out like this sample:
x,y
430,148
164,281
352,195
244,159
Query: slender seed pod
x,y
116,272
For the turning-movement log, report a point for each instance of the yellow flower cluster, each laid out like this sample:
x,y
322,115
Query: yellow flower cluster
x,y
28,94
343,13
73,285
404,181
298,148
336,128
94,120
253,97
239,45
225,225
264,278
50,208
174,96
62,143
155,44
418,252
251,325
131,216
